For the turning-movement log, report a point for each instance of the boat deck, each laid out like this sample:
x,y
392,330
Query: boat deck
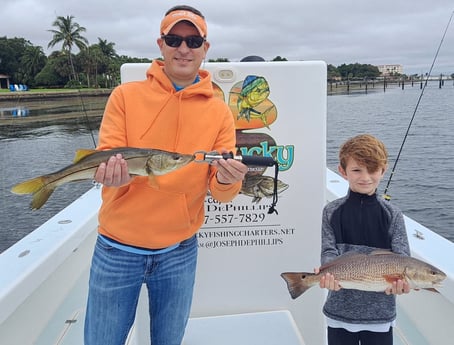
x,y
266,328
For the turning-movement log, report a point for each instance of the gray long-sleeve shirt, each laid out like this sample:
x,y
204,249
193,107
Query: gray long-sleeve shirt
x,y
361,223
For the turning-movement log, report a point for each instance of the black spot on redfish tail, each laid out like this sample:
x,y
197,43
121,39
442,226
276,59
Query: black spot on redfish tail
x,y
295,283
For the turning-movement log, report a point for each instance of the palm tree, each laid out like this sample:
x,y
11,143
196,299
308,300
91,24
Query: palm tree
x,y
107,48
32,62
108,55
68,33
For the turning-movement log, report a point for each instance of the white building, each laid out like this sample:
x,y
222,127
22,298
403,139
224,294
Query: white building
x,y
387,70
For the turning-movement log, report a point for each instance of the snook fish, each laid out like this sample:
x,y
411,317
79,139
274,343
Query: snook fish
x,y
369,272
141,162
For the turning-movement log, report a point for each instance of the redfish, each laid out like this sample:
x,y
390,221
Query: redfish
x,y
369,272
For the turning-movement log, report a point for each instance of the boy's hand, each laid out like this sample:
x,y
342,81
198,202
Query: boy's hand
x,y
327,281
398,287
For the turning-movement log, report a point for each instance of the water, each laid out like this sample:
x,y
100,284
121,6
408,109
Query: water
x,y
39,141
422,185
423,181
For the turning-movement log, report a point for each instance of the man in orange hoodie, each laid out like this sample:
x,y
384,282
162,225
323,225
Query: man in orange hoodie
x,y
147,232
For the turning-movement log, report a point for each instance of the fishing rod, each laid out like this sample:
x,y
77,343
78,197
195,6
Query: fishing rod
x,y
87,120
386,195
249,160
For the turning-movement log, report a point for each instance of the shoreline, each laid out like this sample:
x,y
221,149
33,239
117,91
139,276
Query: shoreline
x,y
40,95
14,99
333,89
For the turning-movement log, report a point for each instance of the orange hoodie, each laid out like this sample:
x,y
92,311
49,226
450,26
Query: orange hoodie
x,y
151,114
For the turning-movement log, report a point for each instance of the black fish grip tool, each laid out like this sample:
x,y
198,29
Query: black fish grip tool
x,y
249,160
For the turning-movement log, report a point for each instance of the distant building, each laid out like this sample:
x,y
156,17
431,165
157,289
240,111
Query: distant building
x,y
387,70
4,81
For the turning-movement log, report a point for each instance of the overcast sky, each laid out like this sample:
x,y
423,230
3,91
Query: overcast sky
x,y
406,32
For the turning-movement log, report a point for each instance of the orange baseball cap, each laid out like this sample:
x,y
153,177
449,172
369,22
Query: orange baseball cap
x,y
180,15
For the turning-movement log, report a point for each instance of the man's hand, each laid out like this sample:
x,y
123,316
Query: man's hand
x,y
114,173
229,170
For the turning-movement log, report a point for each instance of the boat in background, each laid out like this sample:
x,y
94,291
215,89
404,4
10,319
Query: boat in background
x,y
44,280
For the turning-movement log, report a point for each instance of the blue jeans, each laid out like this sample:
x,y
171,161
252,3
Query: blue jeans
x,y
116,278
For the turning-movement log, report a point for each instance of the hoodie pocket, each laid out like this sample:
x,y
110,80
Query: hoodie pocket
x,y
146,207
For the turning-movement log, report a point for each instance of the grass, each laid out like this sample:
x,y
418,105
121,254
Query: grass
x,y
56,92
42,90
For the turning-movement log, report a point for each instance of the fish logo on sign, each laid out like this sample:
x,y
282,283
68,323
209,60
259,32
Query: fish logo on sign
x,y
252,109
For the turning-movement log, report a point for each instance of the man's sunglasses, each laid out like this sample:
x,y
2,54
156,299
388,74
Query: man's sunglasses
x,y
175,41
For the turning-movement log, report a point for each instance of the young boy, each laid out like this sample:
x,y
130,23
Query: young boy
x,y
362,221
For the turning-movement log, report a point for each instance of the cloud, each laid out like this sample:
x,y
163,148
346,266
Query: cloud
x,y
374,32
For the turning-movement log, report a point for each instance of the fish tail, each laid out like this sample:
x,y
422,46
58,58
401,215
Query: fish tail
x,y
38,187
295,282
29,186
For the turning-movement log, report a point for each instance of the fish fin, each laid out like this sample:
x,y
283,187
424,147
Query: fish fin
x,y
334,262
431,290
82,153
36,186
381,252
152,181
295,283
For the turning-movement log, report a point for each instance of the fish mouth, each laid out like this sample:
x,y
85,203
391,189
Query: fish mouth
x,y
437,284
184,157
187,158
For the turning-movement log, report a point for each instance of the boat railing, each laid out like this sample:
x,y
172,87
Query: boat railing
x,y
42,271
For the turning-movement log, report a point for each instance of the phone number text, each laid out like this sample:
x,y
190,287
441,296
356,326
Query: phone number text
x,y
235,218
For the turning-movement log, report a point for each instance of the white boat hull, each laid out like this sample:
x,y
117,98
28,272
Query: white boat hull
x,y
44,277
44,284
